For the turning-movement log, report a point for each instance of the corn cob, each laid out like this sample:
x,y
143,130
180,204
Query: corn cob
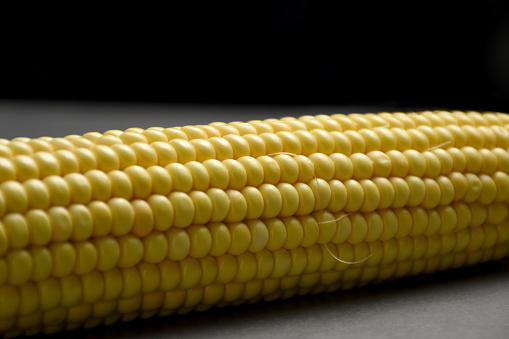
x,y
126,224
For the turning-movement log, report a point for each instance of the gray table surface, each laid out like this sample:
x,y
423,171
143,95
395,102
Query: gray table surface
x,y
465,303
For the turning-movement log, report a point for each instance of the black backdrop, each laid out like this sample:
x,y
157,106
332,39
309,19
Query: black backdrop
x,y
451,54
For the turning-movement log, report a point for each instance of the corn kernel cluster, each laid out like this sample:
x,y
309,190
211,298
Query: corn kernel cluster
x,y
101,228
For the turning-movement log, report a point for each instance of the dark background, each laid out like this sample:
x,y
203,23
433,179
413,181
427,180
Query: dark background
x,y
448,54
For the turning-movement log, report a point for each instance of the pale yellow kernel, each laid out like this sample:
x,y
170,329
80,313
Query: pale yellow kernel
x,y
403,139
155,247
326,144
359,229
343,166
101,218
255,202
382,164
19,146
201,241
363,166
131,289
221,238
63,259
295,232
108,253
501,135
474,137
191,273
489,190
386,191
311,230
237,174
140,180
122,216
174,133
238,206
433,193
203,206
107,159
400,163
290,142
181,177
183,209
355,195
417,190
290,199
324,166
401,192
79,188
460,138
420,221
130,136
86,257
131,251
446,189
61,223
338,196
15,196
306,199
308,142
416,162
259,235
16,230
19,266
388,140
497,213
372,196
100,185
145,154
433,165
7,170
26,167
357,141
185,150
405,223
150,276
314,259
220,204
222,147
153,135
165,153
473,159
58,190
489,161
420,141
82,223
239,145
373,142
42,263
473,189
204,149
282,263
254,170
112,285
161,180
322,192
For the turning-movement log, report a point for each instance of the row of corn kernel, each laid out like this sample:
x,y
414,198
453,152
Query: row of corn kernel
x,y
119,216
250,202
201,298
138,182
298,142
129,283
330,123
191,272
357,165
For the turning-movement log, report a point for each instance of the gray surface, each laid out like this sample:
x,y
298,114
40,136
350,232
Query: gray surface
x,y
466,303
